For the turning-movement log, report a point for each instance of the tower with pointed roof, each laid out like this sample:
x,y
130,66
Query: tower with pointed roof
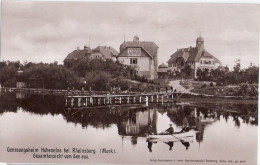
x,y
200,43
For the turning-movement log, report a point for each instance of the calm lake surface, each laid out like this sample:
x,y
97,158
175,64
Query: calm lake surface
x,y
224,131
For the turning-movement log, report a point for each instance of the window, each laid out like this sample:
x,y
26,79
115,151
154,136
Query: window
x,y
134,51
133,60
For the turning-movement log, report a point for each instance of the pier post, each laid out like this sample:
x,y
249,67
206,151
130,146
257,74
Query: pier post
x,y
140,99
91,100
99,101
128,100
157,98
146,100
86,101
72,102
66,101
134,99
120,100
79,99
162,99
151,98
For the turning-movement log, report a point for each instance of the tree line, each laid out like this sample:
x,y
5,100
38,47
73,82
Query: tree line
x,y
96,74
223,76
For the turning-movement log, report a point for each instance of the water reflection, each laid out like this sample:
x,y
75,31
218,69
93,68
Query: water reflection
x,y
136,121
185,143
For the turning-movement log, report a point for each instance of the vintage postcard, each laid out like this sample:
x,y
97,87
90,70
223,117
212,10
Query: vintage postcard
x,y
129,83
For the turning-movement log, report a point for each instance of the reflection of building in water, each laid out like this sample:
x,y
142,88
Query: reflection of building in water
x,y
20,95
139,123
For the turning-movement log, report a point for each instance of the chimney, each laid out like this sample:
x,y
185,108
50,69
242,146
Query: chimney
x,y
77,48
85,47
136,39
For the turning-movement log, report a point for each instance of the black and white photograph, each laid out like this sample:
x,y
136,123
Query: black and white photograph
x,y
87,82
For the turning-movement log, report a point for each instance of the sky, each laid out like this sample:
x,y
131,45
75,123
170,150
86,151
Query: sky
x,y
45,31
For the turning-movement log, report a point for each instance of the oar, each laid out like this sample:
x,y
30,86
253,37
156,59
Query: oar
x,y
179,138
176,137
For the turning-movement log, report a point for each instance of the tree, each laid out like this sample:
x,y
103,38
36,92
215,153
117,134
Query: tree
x,y
199,74
187,71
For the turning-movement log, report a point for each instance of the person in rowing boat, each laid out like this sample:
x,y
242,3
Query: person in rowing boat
x,y
168,131
186,128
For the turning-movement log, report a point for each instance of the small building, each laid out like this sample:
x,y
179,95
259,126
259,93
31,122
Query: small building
x,y
104,52
141,56
163,71
196,57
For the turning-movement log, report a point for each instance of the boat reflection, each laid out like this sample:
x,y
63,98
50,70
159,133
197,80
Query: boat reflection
x,y
186,144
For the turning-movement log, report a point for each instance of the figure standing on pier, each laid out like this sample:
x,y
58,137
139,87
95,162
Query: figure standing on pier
x,y
90,90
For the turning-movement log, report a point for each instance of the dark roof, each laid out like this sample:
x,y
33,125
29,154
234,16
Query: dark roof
x,y
78,54
163,66
188,54
200,39
149,46
191,54
107,52
207,54
194,55
113,51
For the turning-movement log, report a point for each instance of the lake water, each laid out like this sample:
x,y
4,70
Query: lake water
x,y
222,132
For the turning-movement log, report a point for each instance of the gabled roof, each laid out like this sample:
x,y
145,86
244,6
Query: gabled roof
x,y
188,54
107,52
78,54
191,54
207,54
149,46
194,54
113,51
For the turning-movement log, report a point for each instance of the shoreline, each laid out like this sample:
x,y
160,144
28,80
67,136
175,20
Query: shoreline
x,y
182,96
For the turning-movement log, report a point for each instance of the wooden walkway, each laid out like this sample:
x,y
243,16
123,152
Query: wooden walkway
x,y
79,99
103,100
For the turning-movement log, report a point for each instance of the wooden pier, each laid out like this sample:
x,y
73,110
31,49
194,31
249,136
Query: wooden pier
x,y
118,99
81,99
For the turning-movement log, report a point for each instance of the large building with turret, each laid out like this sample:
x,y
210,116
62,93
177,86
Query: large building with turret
x,y
196,57
140,55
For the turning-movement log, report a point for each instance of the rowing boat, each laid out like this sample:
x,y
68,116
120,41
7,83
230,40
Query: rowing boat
x,y
172,137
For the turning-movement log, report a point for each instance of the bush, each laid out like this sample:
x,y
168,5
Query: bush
x,y
204,85
98,80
